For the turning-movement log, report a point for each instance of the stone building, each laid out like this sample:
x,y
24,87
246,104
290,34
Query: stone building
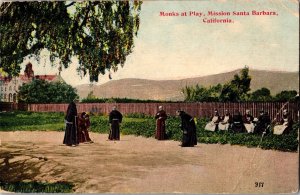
x,y
9,86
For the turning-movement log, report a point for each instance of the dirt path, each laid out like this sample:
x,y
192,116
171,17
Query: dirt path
x,y
144,165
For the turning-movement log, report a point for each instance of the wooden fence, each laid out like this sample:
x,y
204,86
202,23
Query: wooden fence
x,y
205,109
9,106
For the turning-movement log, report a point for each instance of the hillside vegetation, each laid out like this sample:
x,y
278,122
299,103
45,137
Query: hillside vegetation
x,y
171,89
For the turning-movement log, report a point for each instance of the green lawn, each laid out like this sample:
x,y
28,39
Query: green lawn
x,y
136,124
37,187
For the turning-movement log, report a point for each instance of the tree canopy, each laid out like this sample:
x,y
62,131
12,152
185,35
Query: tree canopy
x,y
286,95
100,34
237,89
202,94
262,94
41,91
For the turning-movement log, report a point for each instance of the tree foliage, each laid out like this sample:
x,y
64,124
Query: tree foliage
x,y
118,100
262,94
202,94
41,91
231,92
100,34
237,89
286,95
91,95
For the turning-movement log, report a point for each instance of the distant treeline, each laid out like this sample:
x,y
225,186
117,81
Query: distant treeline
x,y
236,90
118,100
91,98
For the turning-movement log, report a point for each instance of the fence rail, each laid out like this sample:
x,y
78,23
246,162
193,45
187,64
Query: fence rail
x,y
204,109
10,106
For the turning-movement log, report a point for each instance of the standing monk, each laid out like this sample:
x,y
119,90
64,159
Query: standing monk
x,y
70,138
160,117
188,126
115,118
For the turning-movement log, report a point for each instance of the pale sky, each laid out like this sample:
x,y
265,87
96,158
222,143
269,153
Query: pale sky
x,y
181,47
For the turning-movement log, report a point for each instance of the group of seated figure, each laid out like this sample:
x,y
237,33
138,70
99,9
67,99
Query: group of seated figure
x,y
247,123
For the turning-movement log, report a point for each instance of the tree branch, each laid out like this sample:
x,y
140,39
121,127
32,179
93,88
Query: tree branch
x,y
3,8
72,3
86,16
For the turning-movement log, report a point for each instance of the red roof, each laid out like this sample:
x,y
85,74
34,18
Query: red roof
x,y
5,79
46,77
25,78
28,76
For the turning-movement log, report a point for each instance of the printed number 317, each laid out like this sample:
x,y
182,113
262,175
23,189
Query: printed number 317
x,y
259,184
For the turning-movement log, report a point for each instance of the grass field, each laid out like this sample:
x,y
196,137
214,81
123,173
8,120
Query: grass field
x,y
37,187
141,125
134,124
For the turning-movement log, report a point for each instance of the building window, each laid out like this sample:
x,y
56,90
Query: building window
x,y
14,88
10,97
4,97
9,88
14,97
4,88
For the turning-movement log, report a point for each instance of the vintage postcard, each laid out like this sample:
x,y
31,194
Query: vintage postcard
x,y
193,97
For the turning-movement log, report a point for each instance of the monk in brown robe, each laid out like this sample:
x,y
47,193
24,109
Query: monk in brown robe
x,y
83,125
161,116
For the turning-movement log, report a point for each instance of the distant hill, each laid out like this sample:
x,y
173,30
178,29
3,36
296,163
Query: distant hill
x,y
170,89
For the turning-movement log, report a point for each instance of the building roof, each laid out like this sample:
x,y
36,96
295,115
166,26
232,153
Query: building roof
x,y
29,75
5,79
25,78
46,77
